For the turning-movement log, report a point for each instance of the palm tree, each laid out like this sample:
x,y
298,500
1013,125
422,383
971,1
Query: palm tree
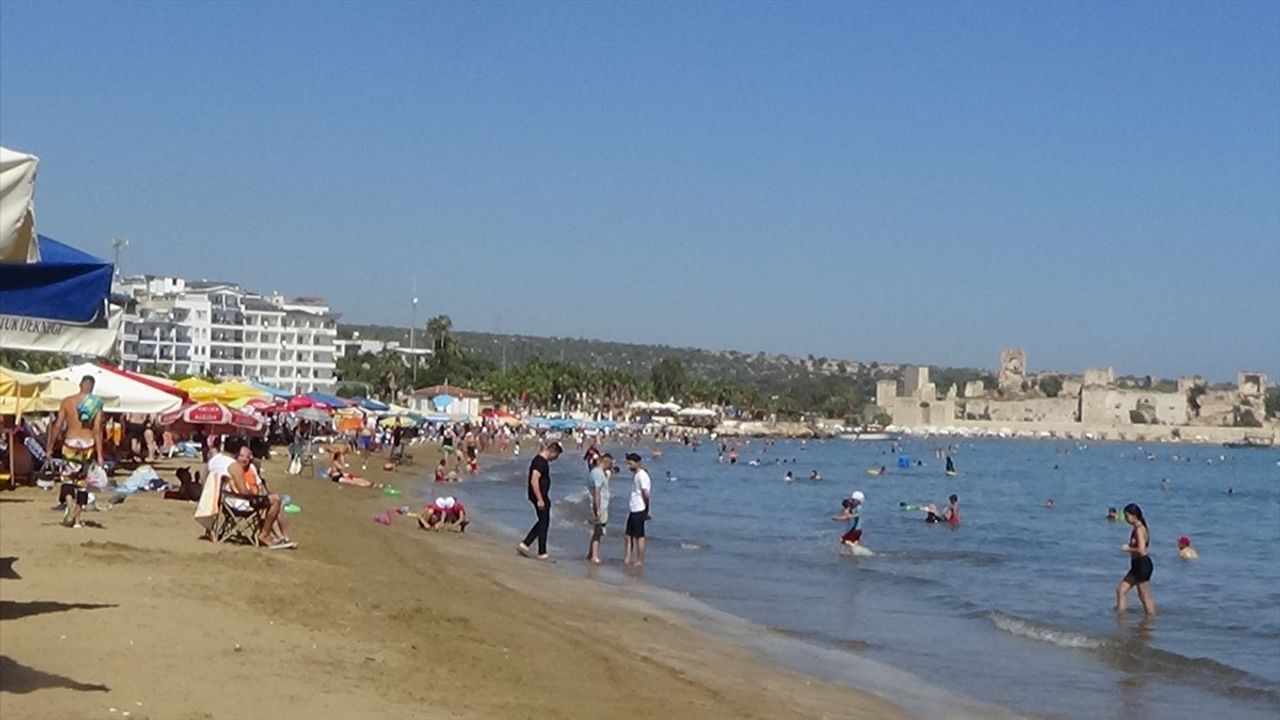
x,y
440,328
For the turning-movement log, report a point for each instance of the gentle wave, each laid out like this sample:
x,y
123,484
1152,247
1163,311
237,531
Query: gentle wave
x,y
1044,633
1135,656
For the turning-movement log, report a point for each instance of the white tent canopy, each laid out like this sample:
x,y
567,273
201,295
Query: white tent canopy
x,y
132,396
17,210
697,412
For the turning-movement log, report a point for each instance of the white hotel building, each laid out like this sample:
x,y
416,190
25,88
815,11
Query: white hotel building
x,y
219,329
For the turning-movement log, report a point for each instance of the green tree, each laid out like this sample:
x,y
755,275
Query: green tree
x,y
668,377
1051,385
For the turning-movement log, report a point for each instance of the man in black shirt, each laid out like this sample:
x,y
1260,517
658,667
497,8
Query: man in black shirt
x,y
539,487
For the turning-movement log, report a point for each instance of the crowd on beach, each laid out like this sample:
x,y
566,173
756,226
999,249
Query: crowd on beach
x,y
235,487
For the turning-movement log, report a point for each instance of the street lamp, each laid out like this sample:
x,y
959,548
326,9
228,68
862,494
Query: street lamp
x,y
413,347
118,244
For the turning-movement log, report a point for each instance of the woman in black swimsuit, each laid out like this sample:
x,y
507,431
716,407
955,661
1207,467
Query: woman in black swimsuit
x,y
1140,566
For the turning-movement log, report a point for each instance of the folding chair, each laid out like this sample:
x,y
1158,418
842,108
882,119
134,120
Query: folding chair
x,y
238,525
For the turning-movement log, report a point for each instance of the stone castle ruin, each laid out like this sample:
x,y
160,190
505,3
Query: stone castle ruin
x,y
1094,398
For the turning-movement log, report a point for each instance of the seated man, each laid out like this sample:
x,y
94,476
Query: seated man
x,y
243,480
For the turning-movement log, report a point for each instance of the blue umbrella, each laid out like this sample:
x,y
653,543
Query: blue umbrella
x,y
374,405
442,401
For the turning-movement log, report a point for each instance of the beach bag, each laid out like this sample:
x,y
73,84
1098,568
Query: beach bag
x,y
295,466
96,477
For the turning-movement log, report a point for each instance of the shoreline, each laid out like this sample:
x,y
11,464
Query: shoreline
x,y
362,620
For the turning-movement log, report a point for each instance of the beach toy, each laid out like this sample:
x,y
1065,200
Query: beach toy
x,y
383,518
389,466
292,509
391,491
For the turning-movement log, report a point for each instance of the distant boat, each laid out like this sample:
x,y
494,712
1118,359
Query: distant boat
x,y
1252,441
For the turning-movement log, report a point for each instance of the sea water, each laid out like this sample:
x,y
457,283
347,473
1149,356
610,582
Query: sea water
x,y
1011,609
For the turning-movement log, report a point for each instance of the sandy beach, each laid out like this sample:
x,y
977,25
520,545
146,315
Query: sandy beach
x,y
139,618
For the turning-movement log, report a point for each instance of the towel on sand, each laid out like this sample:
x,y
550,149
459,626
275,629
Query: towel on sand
x,y
207,508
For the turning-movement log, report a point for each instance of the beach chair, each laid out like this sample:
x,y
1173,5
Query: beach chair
x,y
234,524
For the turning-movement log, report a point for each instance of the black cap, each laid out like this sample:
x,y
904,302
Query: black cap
x,y
633,457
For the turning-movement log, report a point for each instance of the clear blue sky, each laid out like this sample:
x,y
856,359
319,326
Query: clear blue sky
x,y
1098,184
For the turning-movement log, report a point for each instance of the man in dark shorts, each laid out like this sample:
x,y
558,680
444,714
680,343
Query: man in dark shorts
x,y
539,487
639,506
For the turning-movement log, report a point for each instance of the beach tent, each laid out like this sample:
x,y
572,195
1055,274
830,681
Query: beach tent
x,y
327,400
161,384
17,207
272,391
132,396
23,392
53,297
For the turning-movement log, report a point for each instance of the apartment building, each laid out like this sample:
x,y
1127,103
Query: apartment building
x,y
198,327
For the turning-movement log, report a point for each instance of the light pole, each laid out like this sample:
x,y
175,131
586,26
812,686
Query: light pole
x,y
117,244
413,327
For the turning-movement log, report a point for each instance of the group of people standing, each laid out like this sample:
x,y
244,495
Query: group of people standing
x,y
601,471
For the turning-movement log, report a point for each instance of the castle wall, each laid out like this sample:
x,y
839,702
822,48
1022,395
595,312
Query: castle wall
x,y
1113,406
1058,409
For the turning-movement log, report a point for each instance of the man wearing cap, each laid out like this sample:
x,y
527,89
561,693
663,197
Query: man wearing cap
x,y
639,507
539,487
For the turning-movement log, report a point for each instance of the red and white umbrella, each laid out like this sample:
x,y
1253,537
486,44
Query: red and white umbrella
x,y
262,404
213,413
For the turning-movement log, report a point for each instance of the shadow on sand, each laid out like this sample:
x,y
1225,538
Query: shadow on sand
x,y
15,609
18,678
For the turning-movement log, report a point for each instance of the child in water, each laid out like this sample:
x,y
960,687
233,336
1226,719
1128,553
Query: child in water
x,y
1185,551
852,538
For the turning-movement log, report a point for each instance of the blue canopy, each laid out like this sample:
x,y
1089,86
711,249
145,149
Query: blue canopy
x,y
66,285
275,392
442,401
332,401
374,405
563,424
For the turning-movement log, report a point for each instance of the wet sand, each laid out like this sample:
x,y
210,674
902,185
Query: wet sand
x,y
363,620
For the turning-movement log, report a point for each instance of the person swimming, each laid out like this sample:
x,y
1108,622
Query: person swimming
x,y
1112,515
1185,551
950,514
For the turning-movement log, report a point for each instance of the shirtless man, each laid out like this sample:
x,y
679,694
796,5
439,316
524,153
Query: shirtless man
x,y
81,416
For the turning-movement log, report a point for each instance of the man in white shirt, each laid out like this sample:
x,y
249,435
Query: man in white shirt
x,y
639,507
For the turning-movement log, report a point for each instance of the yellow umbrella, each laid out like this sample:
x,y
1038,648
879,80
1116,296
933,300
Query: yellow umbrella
x,y
200,390
401,420
236,390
